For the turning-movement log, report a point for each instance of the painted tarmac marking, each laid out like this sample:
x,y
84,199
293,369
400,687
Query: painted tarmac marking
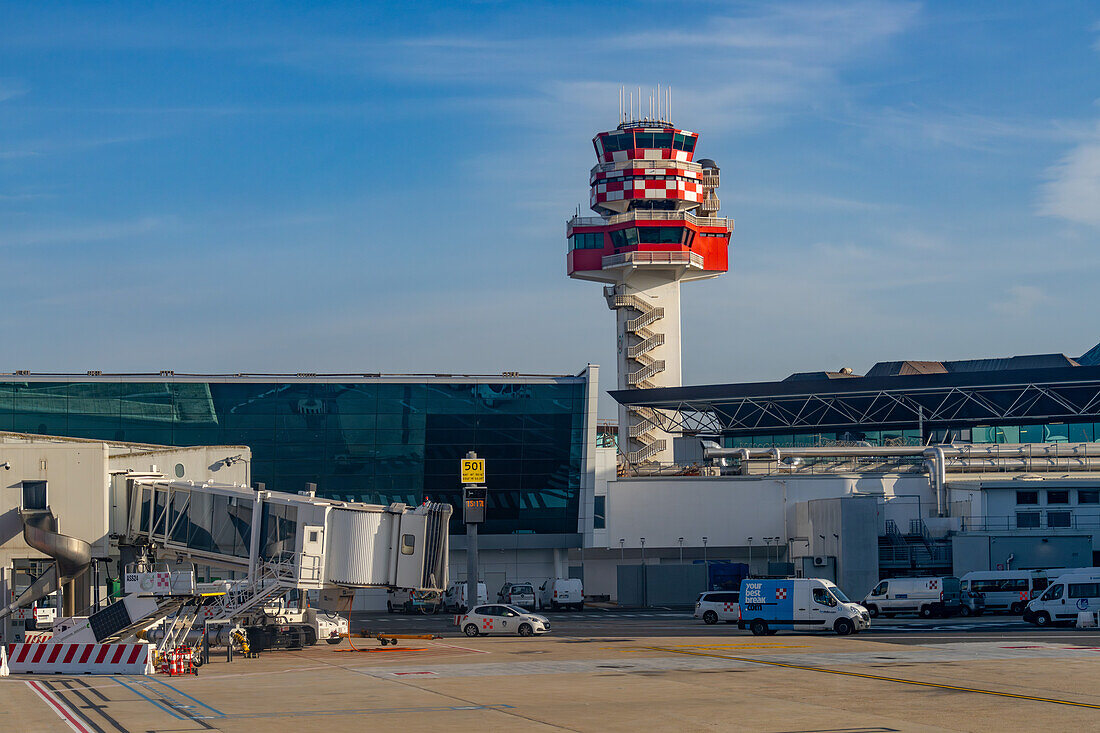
x,y
881,678
61,709
166,709
374,711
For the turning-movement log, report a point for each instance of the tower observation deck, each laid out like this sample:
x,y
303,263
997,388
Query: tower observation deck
x,y
657,227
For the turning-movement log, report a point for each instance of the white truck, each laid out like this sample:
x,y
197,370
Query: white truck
x,y
557,593
456,600
815,604
926,596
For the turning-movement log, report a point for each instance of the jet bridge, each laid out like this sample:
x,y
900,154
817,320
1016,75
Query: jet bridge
x,y
296,540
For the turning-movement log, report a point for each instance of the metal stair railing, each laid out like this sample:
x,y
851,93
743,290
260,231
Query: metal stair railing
x,y
648,344
647,371
641,456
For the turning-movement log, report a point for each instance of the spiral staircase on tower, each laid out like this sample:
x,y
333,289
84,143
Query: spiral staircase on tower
x,y
642,421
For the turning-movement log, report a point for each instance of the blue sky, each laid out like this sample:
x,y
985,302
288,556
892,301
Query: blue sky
x,y
371,187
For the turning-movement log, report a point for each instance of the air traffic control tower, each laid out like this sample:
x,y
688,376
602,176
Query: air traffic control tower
x,y
657,227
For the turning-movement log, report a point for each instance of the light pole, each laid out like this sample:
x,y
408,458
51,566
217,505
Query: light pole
x,y
836,544
681,541
750,555
767,549
643,550
622,550
704,551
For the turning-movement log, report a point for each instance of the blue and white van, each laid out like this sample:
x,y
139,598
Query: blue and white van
x,y
771,604
1065,597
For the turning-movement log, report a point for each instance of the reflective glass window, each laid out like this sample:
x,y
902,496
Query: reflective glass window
x,y
1027,497
1088,496
643,139
631,236
689,144
1084,590
1059,496
1027,520
599,512
1032,433
1058,519
662,140
1081,433
1056,433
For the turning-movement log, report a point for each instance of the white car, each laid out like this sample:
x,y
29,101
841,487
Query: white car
x,y
716,606
500,618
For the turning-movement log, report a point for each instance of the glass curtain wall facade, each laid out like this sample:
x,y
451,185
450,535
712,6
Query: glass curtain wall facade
x,y
377,442
1085,432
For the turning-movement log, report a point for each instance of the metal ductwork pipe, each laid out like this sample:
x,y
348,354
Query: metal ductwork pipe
x,y
1037,464
938,477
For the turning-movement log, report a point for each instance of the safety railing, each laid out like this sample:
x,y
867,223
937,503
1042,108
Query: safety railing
x,y
651,215
691,259
1039,520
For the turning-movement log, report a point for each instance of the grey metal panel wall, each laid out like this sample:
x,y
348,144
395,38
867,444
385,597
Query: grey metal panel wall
x,y
629,580
674,585
660,585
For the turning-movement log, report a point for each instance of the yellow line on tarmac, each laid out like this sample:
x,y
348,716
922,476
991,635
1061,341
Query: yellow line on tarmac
x,y
881,678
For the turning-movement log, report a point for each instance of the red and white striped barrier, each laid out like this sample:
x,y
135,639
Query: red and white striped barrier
x,y
80,658
37,637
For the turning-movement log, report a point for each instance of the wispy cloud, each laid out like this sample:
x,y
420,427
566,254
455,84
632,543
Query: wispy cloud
x,y
1020,300
1072,187
84,233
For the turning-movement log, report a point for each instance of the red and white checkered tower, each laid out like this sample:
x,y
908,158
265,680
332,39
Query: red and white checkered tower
x,y
657,227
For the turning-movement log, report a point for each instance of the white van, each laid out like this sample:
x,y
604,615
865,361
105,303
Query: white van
x,y
558,593
520,593
455,599
928,597
1065,597
1005,590
718,605
813,604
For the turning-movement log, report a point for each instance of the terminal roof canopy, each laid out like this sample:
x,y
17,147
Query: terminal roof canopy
x,y
956,394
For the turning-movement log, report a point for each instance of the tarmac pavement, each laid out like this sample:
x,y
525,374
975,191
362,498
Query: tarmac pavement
x,y
607,671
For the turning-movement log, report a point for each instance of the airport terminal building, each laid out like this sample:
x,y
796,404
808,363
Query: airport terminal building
x,y
371,438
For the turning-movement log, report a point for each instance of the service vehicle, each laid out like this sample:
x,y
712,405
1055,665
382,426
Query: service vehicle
x,y
501,618
456,599
715,606
1006,590
1065,597
403,600
973,603
771,604
520,594
925,596
558,593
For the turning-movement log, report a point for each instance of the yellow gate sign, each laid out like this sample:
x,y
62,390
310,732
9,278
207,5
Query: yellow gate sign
x,y
473,470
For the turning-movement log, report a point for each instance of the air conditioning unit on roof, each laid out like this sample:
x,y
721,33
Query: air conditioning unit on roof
x,y
820,561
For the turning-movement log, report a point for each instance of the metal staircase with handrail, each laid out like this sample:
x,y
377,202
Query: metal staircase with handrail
x,y
642,427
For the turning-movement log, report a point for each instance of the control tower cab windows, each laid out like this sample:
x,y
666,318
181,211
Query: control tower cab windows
x,y
590,240
684,142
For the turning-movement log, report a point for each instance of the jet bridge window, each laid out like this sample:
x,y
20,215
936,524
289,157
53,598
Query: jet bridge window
x,y
34,495
408,544
278,531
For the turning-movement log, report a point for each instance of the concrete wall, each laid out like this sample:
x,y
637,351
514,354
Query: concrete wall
x,y
76,476
730,509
